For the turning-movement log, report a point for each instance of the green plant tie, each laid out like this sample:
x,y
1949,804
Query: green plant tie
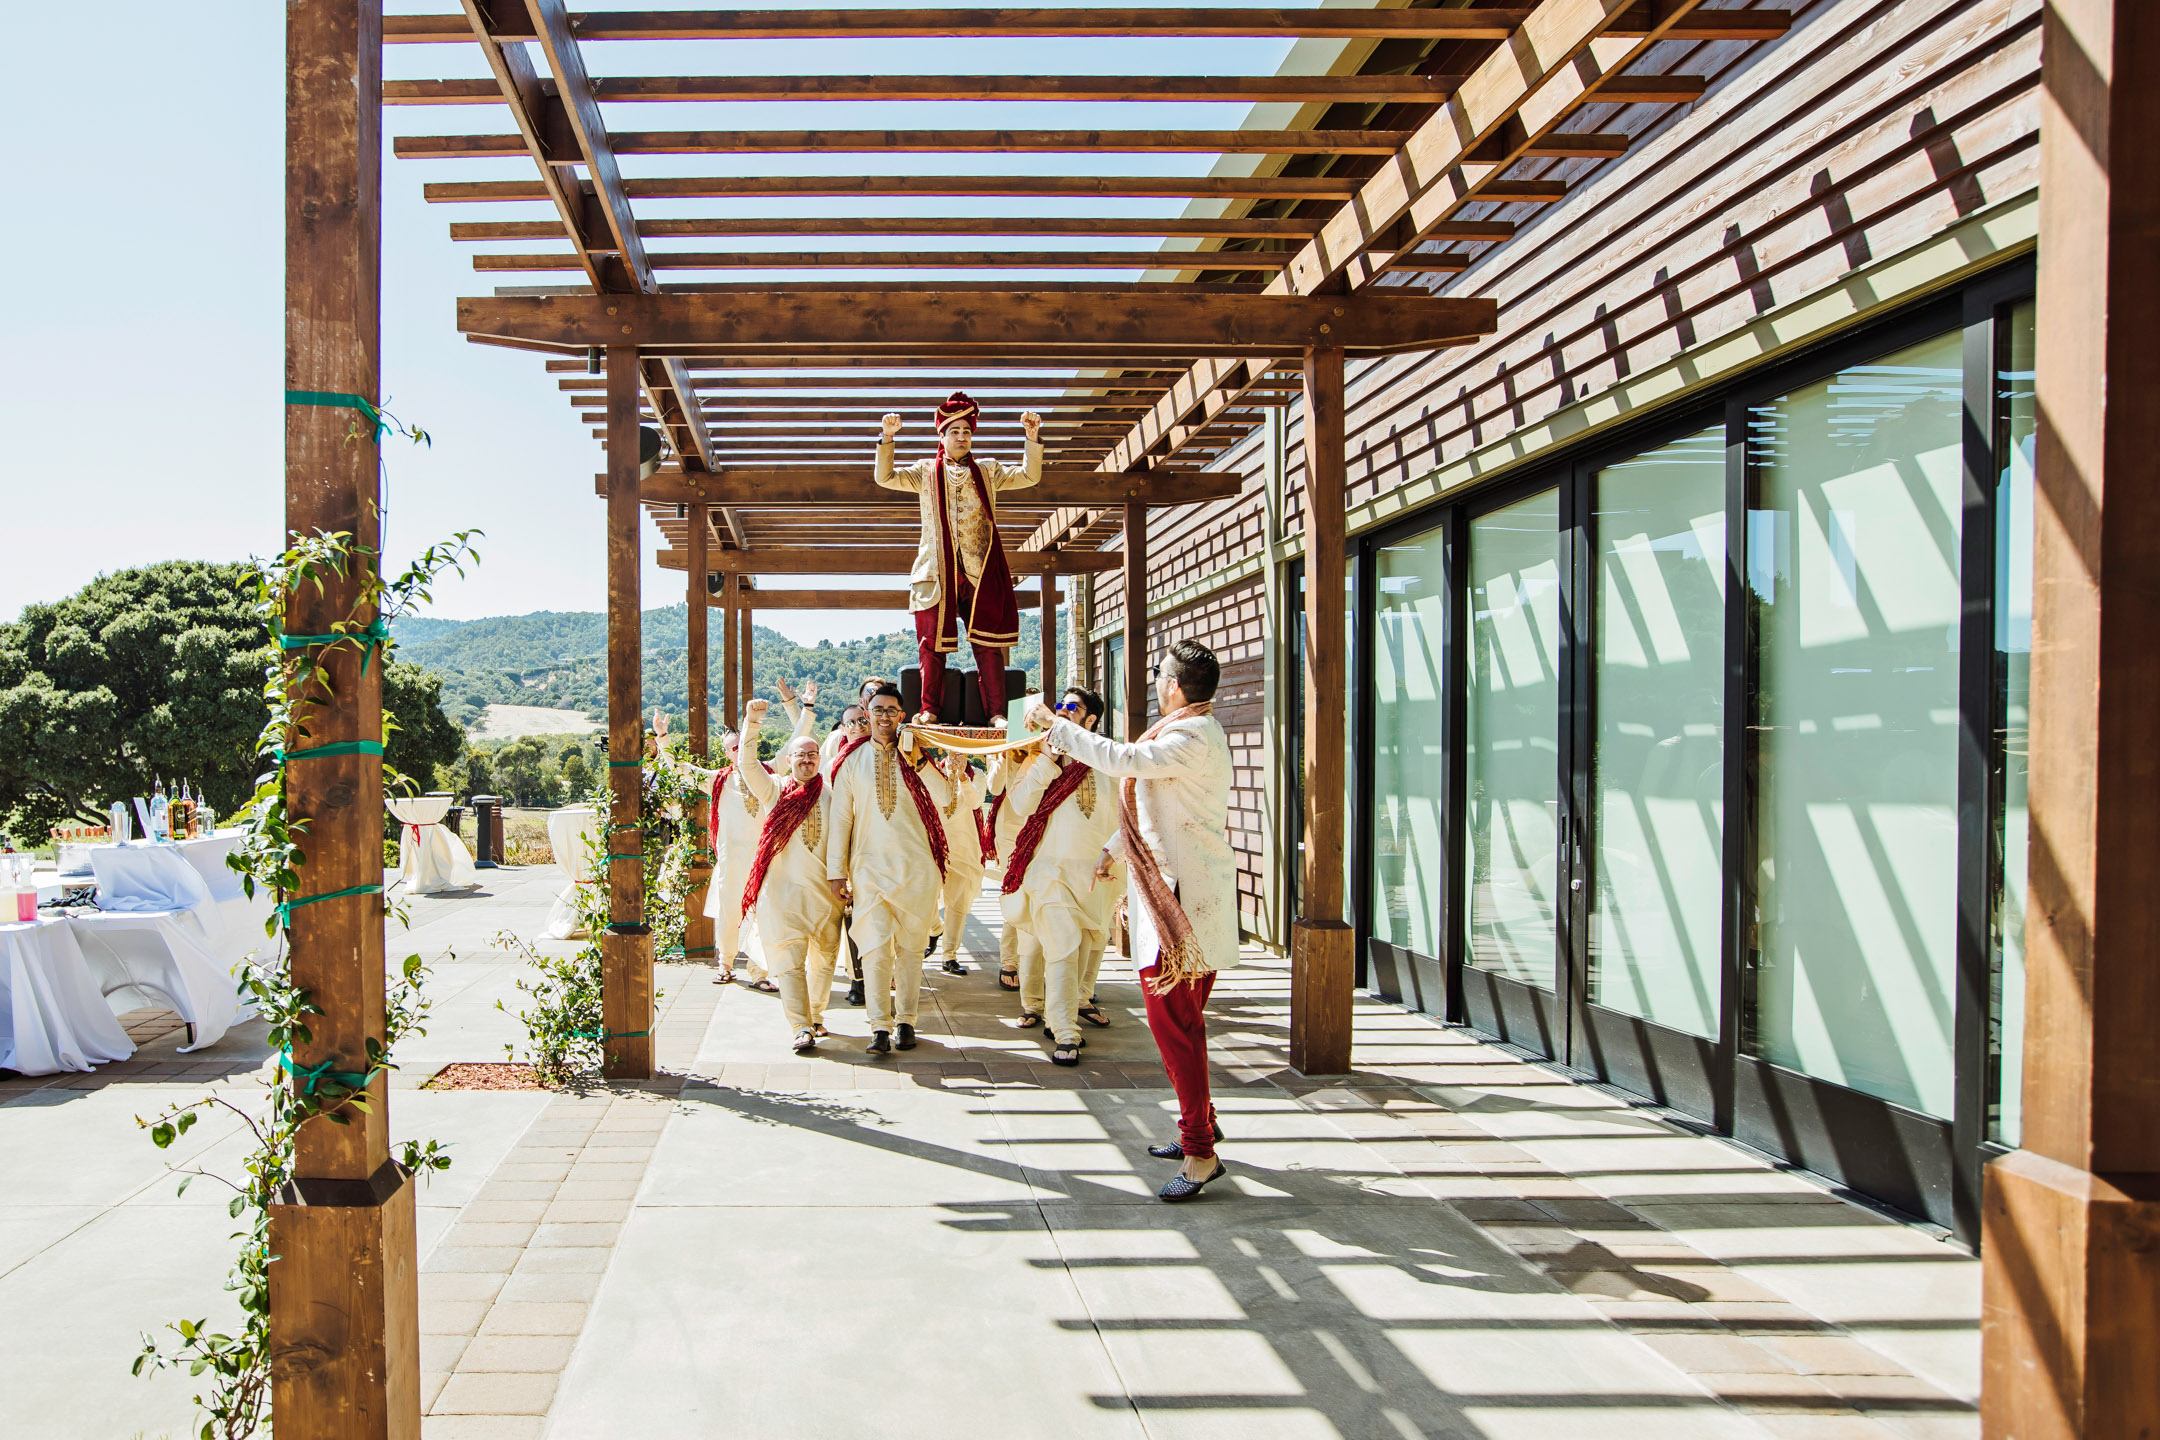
x,y
341,747
604,1036
633,855
374,632
310,1076
285,909
341,400
624,764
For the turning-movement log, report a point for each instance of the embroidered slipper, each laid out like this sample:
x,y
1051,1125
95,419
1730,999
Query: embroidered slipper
x,y
1180,1188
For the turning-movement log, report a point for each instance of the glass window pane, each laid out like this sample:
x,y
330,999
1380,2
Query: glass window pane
x,y
1410,627
1512,739
1659,770
1113,682
2016,421
1853,574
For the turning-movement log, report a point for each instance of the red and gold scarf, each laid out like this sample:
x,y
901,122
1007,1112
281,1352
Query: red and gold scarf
x,y
1037,824
994,618
794,805
1181,958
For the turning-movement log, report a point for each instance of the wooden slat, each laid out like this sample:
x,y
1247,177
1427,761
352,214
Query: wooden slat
x,y
1131,322
1134,575
862,227
933,142
1172,187
916,260
721,364
852,485
1074,89
888,560
894,600
1170,22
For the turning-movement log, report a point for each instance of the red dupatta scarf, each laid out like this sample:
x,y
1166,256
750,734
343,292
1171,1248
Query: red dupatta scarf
x,y
994,619
788,812
1037,824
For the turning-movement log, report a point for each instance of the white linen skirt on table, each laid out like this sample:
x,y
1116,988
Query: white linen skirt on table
x,y
165,957
52,1017
570,834
430,859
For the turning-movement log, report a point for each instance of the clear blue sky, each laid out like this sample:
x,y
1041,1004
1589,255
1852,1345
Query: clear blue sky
x,y
140,381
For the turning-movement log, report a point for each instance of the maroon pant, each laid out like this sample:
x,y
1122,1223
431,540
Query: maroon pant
x,y
989,662
1178,1021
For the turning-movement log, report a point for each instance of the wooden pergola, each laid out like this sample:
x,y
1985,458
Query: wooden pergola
x,y
1459,125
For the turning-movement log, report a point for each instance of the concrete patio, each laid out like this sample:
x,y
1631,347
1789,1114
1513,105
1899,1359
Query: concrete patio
x,y
963,1240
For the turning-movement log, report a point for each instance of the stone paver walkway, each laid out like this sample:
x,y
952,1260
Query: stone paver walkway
x,y
963,1240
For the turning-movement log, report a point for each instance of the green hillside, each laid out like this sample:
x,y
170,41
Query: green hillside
x,y
558,659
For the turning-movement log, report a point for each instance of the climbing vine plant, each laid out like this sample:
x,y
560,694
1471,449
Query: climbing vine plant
x,y
270,858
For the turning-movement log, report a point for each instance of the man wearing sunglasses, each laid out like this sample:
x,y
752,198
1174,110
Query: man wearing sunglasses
x,y
1052,898
1181,895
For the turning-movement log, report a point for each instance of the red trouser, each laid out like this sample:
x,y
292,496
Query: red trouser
x,y
1178,1020
989,663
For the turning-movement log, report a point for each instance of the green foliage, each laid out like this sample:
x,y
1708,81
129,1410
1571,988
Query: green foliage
x,y
296,684
522,772
423,737
141,674
562,1013
576,772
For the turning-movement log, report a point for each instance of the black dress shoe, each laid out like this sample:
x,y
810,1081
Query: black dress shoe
x,y
954,967
931,948
880,1043
1181,1188
1175,1151
855,993
905,1040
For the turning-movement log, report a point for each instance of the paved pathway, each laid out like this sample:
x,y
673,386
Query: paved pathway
x,y
963,1241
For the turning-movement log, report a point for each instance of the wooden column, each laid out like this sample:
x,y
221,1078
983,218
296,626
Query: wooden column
x,y
2070,1316
700,684
626,950
697,925
1050,629
730,662
1320,943
344,1302
1136,651
746,638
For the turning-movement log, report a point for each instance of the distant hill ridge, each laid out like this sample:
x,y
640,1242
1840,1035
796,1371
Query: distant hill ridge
x,y
558,658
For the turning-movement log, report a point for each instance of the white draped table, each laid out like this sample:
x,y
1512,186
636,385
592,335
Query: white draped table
x,y
570,836
52,1017
430,858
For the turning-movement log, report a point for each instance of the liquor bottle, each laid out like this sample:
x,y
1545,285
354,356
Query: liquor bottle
x,y
160,815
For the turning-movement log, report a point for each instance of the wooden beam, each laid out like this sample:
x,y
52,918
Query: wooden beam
x,y
885,226
1090,89
1049,596
746,642
894,560
751,187
852,485
1000,23
626,950
730,668
894,600
1322,963
2070,1311
917,260
1136,626
343,1304
933,142
1120,321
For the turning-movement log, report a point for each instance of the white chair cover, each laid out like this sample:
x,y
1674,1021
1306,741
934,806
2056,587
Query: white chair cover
x,y
52,1017
166,957
571,833
430,859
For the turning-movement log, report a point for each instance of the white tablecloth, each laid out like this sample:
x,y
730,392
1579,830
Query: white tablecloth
x,y
52,1017
141,878
430,859
570,834
166,958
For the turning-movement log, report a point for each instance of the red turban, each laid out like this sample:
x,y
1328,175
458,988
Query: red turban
x,y
957,407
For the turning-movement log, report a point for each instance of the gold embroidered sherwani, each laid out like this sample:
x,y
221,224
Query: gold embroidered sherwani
x,y
798,919
1058,909
972,529
877,844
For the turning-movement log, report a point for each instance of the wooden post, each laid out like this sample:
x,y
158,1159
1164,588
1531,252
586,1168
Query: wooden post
x,y
1136,651
344,1299
700,681
1276,630
2070,1309
1321,965
730,662
626,950
697,925
746,638
1049,629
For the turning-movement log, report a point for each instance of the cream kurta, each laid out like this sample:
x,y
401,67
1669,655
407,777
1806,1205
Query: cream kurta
x,y
1060,910
969,523
734,844
1184,804
962,812
878,845
798,918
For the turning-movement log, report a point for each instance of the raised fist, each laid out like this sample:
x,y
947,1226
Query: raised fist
x,y
892,426
1029,421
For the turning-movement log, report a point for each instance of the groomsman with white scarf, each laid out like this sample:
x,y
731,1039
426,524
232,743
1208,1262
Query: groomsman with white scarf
x,y
886,855
1181,896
